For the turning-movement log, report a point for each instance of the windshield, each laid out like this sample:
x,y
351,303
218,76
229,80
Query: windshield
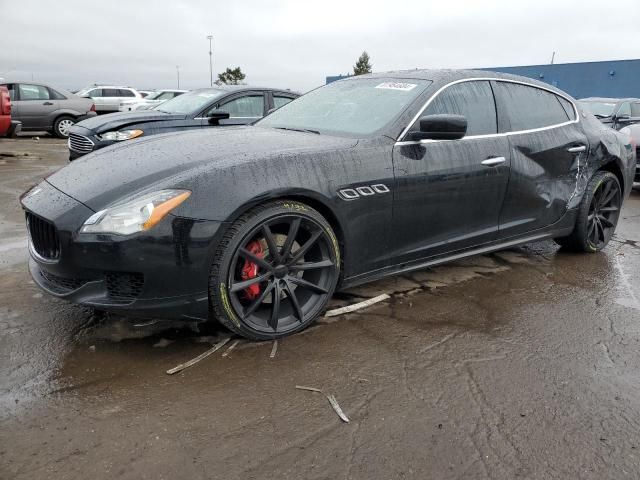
x,y
190,102
600,109
153,95
355,107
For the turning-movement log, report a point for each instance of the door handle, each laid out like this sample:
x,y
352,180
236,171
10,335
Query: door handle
x,y
494,161
47,103
578,149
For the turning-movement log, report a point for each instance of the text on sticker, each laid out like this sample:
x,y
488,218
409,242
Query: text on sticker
x,y
397,86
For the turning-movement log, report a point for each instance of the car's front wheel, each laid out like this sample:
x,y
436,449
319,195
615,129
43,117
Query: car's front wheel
x,y
274,271
62,125
598,214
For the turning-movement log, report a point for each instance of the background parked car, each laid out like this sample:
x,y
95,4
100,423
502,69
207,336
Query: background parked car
x,y
150,101
108,98
634,132
41,107
614,112
8,127
218,106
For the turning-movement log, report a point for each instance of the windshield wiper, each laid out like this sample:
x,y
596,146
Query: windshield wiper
x,y
308,130
598,115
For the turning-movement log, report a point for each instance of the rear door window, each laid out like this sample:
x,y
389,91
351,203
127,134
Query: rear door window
x,y
109,92
56,95
635,109
530,107
472,99
33,92
568,107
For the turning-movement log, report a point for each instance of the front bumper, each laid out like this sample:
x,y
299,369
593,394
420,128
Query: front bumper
x,y
162,273
89,138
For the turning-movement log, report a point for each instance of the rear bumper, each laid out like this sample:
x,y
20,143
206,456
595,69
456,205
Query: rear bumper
x,y
85,116
14,128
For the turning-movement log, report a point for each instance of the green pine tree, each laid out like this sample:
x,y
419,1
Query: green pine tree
x,y
362,66
231,76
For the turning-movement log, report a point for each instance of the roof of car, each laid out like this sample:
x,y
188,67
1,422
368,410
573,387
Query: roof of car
x,y
107,86
443,76
609,100
243,88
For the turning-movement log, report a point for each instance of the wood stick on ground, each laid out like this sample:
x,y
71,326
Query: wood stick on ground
x,y
357,306
200,357
332,401
231,347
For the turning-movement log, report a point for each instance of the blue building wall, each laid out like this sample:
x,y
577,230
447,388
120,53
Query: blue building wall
x,y
616,78
333,78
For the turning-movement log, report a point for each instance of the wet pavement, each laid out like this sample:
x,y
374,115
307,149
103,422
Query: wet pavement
x,y
520,364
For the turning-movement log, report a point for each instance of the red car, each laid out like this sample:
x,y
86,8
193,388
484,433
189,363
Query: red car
x,y
8,127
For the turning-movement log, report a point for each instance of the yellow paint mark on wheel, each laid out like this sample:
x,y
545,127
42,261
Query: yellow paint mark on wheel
x,y
336,247
294,206
227,306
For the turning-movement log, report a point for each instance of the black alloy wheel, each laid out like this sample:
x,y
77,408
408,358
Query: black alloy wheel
x,y
603,213
598,214
277,272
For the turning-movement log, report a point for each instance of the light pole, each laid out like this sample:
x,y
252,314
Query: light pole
x,y
178,72
210,38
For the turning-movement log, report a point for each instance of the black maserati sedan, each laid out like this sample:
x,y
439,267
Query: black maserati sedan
x,y
256,226
219,106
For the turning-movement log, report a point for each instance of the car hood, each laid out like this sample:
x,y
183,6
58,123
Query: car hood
x,y
115,121
122,170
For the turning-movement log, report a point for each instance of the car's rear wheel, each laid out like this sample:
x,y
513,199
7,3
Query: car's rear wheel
x,y
62,125
598,214
274,270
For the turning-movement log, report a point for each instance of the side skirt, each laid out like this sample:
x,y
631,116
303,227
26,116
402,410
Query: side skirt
x,y
561,228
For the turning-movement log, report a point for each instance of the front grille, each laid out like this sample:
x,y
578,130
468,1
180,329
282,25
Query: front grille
x,y
62,284
44,237
80,143
124,286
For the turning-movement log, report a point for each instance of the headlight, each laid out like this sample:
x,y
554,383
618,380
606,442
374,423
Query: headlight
x,y
121,135
136,215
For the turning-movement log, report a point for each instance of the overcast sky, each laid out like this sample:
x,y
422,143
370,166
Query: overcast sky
x,y
295,44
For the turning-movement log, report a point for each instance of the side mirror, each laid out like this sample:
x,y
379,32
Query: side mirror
x,y
216,115
440,127
271,110
623,118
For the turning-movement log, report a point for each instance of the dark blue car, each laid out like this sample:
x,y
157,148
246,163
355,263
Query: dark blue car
x,y
206,107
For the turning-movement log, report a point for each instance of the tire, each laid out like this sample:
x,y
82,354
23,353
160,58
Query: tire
x,y
263,295
598,215
61,126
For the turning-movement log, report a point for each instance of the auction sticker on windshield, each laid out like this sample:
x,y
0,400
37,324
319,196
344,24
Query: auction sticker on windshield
x,y
397,86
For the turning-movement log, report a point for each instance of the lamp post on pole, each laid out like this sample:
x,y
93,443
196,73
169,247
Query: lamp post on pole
x,y
210,38
178,73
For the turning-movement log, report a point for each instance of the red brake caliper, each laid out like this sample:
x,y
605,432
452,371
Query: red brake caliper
x,y
250,270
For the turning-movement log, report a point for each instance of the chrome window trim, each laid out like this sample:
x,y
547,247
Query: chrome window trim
x,y
488,135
